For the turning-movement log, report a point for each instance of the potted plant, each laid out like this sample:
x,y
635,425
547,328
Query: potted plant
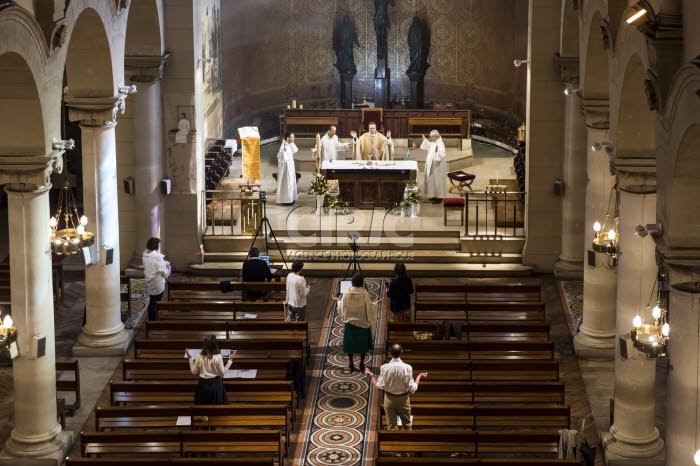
x,y
319,188
334,202
411,198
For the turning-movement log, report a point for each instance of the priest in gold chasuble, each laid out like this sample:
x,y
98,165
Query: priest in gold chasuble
x,y
372,145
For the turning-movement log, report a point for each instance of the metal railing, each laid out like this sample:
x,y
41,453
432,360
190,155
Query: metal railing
x,y
230,213
495,214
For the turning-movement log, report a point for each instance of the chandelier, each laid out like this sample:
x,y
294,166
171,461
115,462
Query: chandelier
x,y
650,332
606,235
8,337
67,227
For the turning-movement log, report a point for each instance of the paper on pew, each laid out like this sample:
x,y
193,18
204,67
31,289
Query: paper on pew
x,y
273,270
345,286
250,316
398,420
184,421
241,374
193,352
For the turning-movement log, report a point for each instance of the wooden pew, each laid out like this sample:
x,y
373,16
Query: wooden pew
x,y
461,349
176,391
387,460
197,291
485,369
182,443
475,330
274,291
431,391
230,330
174,348
69,385
524,443
436,310
448,127
477,292
78,461
212,310
179,369
308,126
248,416
478,417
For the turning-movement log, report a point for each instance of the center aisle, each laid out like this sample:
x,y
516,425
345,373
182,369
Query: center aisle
x,y
338,416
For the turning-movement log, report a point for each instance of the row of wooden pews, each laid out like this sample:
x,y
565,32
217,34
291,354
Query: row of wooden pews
x,y
493,394
151,419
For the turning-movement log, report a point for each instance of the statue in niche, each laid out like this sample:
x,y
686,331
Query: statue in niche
x,y
345,38
418,46
381,24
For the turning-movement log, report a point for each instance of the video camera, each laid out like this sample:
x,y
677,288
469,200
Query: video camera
x,y
263,196
354,245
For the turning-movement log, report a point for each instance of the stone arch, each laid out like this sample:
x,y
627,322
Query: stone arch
x,y
595,67
678,164
89,58
633,131
568,38
23,55
144,29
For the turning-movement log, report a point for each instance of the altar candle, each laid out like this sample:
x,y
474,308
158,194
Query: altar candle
x,y
288,106
318,152
301,106
294,103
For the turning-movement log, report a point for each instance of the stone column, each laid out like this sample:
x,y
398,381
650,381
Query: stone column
x,y
37,437
683,385
103,333
569,266
596,337
148,151
633,438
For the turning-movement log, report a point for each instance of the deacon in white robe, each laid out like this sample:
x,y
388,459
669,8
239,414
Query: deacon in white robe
x,y
372,145
330,145
286,171
435,167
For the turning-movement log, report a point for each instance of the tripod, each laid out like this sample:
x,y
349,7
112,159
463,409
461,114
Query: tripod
x,y
355,262
266,224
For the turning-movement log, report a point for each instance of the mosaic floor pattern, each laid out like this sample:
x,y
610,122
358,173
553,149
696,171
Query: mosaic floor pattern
x,y
572,299
338,414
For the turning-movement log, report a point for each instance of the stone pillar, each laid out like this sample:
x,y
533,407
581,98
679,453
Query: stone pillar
x,y
569,266
346,89
37,437
382,83
103,333
148,151
416,89
683,385
633,438
596,337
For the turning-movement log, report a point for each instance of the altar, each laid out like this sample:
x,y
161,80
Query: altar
x,y
368,184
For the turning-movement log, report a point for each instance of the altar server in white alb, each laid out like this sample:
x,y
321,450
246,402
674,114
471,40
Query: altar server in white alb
x,y
373,145
286,171
435,167
330,145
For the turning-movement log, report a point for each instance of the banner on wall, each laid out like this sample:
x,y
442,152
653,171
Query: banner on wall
x,y
250,146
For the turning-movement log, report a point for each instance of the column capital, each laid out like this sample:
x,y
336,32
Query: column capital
x,y
145,69
30,172
95,111
636,175
682,266
569,70
596,113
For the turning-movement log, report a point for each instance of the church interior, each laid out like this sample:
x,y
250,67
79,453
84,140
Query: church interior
x,y
529,162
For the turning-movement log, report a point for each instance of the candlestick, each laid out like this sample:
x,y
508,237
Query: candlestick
x,y
301,106
318,152
294,103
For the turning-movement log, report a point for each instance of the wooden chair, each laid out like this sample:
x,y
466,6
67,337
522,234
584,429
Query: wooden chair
x,y
375,115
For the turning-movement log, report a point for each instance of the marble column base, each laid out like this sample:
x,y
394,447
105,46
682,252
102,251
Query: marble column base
x,y
594,348
51,453
568,270
619,452
112,345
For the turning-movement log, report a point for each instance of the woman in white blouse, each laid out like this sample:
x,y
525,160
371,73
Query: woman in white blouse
x,y
209,366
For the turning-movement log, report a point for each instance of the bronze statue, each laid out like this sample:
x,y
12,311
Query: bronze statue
x,y
381,24
345,38
418,46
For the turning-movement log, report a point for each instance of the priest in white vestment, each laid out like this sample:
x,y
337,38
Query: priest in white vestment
x,y
372,145
330,145
286,171
435,167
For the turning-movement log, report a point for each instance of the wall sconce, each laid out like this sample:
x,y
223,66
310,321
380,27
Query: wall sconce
x,y
62,144
517,63
207,60
600,145
571,90
641,231
642,15
127,89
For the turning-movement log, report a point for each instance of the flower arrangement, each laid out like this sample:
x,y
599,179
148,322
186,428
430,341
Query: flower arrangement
x,y
335,201
411,194
319,185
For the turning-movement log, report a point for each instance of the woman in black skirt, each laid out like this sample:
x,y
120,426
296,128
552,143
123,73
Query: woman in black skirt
x,y
209,366
359,314
399,291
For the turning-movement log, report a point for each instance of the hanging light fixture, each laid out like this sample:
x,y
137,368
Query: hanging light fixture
x,y
650,332
606,235
67,227
8,336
